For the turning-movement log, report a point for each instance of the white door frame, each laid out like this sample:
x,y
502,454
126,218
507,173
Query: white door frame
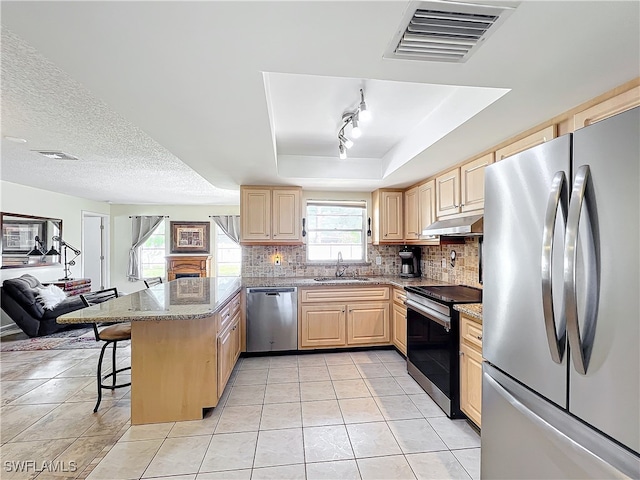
x,y
106,220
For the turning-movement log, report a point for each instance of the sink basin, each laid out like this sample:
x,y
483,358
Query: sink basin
x,y
341,279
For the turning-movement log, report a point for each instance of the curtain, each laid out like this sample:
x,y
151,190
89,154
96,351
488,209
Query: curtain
x,y
141,229
230,225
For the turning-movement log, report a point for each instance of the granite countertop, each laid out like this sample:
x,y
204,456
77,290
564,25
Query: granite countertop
x,y
471,310
248,282
181,299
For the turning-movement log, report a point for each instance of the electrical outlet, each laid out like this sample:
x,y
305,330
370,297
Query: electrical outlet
x,y
378,260
444,263
276,262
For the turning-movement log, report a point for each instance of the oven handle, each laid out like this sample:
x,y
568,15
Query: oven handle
x,y
437,317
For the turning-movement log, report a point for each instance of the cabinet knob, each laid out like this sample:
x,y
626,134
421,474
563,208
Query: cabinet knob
x,y
385,234
275,235
461,354
267,235
479,337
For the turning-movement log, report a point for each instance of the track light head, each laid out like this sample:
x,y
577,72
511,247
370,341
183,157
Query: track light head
x,y
345,141
355,130
364,113
343,151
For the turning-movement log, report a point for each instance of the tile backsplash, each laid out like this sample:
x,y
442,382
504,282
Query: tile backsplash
x,y
258,261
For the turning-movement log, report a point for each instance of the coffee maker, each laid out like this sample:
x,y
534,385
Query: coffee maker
x,y
410,265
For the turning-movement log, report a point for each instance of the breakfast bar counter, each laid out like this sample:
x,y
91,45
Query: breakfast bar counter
x,y
185,339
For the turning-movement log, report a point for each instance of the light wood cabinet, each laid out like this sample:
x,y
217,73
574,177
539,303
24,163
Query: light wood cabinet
x,y
322,326
471,368
387,216
419,213
337,317
228,340
448,193
608,108
270,215
530,141
472,183
368,323
399,320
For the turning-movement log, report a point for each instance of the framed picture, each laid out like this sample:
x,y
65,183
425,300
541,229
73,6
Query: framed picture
x,y
190,237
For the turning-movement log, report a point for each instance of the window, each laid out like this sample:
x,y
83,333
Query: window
x,y
336,227
228,256
152,253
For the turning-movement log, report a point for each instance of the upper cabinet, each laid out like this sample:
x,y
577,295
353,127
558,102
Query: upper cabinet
x,y
608,108
387,216
270,215
419,213
462,189
530,141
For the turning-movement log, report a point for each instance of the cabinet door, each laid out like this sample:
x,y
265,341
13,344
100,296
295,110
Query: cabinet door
x,y
400,327
368,323
618,104
225,357
472,183
286,215
255,214
427,207
411,215
448,193
530,141
471,383
391,216
322,326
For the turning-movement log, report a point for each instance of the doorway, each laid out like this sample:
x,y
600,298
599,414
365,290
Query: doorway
x,y
95,249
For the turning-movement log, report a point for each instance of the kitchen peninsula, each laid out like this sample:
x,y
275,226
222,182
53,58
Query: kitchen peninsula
x,y
185,340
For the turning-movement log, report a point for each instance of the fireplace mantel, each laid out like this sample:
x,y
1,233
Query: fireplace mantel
x,y
188,265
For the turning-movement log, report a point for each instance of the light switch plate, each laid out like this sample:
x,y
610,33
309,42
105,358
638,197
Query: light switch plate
x,y
378,260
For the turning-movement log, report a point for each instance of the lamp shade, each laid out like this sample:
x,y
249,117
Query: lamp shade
x,y
35,252
53,252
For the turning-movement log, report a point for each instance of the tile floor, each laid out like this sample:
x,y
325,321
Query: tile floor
x,y
318,416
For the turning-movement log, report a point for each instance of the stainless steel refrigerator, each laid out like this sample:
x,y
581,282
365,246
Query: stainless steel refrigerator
x,y
561,315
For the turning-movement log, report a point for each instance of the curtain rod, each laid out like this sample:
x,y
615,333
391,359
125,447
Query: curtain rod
x,y
134,216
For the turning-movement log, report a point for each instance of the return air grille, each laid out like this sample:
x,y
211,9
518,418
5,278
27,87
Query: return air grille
x,y
446,32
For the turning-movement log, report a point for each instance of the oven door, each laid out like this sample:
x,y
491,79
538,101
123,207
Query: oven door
x,y
432,357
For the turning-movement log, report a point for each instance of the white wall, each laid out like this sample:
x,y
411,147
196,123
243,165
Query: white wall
x,y
23,200
121,233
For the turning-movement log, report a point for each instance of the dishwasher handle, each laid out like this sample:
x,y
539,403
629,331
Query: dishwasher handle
x,y
272,291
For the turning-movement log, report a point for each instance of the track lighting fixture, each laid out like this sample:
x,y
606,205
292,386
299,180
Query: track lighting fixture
x,y
353,119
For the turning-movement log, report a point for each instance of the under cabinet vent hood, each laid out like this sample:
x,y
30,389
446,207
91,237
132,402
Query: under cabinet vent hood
x,y
445,31
457,227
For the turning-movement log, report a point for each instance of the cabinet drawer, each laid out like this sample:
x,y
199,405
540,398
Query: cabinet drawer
x,y
399,296
324,295
228,313
471,332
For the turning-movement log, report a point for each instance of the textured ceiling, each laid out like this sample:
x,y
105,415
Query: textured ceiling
x,y
163,101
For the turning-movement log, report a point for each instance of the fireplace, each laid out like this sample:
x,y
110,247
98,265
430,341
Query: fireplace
x,y
179,266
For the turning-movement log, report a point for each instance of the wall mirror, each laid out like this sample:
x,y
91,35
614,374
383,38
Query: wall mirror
x,y
28,241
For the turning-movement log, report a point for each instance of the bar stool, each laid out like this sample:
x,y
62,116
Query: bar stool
x,y
111,334
150,282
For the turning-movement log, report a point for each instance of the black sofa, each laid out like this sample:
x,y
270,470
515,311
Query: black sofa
x,y
18,297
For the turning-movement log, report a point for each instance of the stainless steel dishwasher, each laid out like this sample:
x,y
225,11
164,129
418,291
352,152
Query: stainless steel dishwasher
x,y
272,319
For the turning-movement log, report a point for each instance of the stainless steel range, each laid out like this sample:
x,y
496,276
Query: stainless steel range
x,y
433,341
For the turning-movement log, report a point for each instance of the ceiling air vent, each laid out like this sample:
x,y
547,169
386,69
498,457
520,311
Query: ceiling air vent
x,y
56,154
444,31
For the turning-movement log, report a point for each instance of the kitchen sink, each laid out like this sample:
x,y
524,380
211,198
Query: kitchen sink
x,y
341,279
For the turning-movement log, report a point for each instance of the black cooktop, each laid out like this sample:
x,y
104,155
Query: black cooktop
x,y
449,293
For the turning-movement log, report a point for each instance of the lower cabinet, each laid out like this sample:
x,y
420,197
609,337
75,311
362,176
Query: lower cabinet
x,y
400,327
350,321
471,368
228,341
323,326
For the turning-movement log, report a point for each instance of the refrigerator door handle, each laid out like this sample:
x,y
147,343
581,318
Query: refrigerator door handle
x,y
559,438
557,197
580,345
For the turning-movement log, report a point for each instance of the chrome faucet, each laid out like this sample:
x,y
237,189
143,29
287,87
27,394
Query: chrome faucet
x,y
340,268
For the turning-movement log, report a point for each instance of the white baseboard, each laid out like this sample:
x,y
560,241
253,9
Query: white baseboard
x,y
9,330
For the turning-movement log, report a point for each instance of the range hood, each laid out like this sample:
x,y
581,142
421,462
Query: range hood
x,y
457,227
